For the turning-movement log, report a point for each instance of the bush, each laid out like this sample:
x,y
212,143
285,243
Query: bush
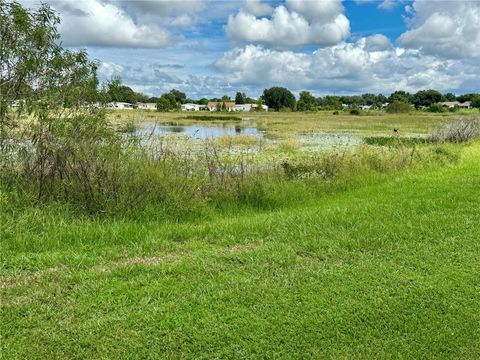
x,y
355,112
460,130
397,107
437,108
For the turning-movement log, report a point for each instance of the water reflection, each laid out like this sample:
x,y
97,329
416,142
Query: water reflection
x,y
200,132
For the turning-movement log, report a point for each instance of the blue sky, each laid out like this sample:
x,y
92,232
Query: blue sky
x,y
211,48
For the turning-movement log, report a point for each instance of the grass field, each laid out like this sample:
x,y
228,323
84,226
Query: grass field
x,y
388,268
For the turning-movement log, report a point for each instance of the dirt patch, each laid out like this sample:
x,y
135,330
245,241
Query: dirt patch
x,y
239,248
138,260
27,277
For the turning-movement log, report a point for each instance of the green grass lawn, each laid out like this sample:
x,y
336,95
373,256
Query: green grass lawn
x,y
386,270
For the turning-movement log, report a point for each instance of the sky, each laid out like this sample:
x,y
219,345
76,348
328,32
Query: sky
x,y
211,48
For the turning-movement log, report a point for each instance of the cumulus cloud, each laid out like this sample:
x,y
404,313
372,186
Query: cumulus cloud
x,y
300,22
257,8
384,5
96,23
370,64
157,78
449,29
377,42
122,23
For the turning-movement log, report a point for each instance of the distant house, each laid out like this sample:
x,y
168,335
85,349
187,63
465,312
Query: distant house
x,y
452,104
146,106
249,107
366,107
193,107
243,107
119,105
221,105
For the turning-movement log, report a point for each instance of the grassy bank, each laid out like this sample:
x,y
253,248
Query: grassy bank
x,y
385,268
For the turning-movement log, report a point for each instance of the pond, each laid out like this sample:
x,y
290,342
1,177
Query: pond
x,y
199,132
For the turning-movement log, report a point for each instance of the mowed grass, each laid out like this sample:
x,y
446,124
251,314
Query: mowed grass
x,y
281,125
387,270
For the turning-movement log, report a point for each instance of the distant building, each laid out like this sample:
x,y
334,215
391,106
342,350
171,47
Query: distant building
x,y
193,107
221,105
452,104
249,107
366,107
119,105
146,106
243,107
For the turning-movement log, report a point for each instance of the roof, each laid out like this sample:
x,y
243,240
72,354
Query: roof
x,y
449,103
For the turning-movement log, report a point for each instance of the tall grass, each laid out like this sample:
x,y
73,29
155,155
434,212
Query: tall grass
x,y
462,130
165,180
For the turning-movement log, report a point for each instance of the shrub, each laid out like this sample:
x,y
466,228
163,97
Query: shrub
x,y
437,108
398,107
460,130
355,112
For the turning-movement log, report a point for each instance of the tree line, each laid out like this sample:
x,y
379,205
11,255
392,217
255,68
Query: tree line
x,y
282,99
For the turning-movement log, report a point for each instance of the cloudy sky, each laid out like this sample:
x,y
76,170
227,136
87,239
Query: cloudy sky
x,y
216,47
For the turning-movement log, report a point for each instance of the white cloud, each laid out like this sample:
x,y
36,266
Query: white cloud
x,y
347,67
107,70
449,29
94,23
257,8
384,5
388,4
377,42
304,22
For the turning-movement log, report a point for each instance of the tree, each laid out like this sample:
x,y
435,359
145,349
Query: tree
x,y
240,98
307,101
226,98
330,102
66,140
450,97
475,102
168,102
467,97
278,98
118,92
259,103
426,98
401,96
180,97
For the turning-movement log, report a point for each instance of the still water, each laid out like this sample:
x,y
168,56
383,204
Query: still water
x,y
199,132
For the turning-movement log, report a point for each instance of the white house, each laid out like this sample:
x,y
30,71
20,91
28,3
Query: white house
x,y
249,107
452,104
119,105
221,105
193,107
243,107
147,106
